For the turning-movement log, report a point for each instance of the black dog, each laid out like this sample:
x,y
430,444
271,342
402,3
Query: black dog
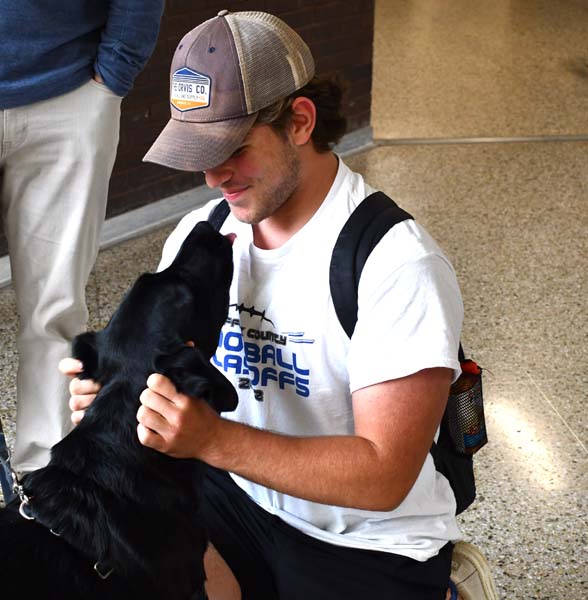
x,y
112,518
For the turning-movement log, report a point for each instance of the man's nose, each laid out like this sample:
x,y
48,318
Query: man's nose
x,y
216,176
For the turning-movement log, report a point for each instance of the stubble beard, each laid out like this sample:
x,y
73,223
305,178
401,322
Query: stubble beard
x,y
276,196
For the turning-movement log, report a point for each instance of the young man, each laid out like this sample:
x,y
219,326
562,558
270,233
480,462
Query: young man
x,y
321,483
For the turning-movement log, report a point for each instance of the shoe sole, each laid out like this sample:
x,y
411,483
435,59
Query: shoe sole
x,y
480,564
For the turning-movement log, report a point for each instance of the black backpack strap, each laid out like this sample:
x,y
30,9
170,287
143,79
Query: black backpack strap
x,y
366,226
457,468
219,214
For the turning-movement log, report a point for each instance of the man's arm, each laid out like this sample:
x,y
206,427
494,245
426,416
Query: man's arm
x,y
395,423
127,41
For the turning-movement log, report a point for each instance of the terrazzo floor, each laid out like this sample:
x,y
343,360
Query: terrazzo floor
x,y
513,219
469,68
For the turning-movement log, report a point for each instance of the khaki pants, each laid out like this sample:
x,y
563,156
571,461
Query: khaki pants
x,y
56,159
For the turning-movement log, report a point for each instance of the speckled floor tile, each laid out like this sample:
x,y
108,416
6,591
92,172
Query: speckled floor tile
x,y
530,516
115,271
567,396
469,68
8,361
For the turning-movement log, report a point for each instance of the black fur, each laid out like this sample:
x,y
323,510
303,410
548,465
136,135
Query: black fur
x,y
110,499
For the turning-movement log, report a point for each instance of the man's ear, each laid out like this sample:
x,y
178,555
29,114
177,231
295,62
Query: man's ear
x,y
303,120
85,348
193,375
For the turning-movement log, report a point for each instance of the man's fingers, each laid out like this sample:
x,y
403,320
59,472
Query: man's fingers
x,y
77,416
81,402
151,419
70,366
149,438
151,428
83,387
163,386
155,402
83,392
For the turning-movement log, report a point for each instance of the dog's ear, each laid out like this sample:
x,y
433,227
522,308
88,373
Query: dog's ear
x,y
193,375
85,348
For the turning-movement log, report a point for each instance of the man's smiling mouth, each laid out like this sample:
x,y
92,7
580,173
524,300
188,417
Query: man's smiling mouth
x,y
234,194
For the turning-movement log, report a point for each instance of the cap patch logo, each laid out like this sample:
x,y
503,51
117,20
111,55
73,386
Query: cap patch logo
x,y
189,90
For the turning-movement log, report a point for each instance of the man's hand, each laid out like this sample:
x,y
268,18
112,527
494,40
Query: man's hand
x,y
173,423
83,391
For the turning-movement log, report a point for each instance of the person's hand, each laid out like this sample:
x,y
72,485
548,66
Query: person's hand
x,y
173,423
82,391
98,78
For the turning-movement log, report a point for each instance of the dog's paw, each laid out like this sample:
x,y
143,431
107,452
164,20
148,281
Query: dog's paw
x,y
85,349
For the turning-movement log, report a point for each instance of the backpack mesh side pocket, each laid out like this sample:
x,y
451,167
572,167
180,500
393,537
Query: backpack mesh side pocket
x,y
464,417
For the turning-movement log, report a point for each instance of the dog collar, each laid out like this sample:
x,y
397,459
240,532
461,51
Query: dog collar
x,y
103,571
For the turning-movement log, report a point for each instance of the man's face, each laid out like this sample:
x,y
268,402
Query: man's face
x,y
259,177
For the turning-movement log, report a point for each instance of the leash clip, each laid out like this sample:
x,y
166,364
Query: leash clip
x,y
18,490
22,512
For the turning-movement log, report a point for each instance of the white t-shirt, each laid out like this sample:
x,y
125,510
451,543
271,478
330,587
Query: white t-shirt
x,y
295,368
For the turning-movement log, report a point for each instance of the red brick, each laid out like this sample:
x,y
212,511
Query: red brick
x,y
298,19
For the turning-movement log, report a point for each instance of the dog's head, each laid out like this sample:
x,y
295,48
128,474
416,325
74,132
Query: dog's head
x,y
161,313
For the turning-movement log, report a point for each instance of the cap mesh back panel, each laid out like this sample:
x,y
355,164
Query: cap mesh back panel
x,y
275,61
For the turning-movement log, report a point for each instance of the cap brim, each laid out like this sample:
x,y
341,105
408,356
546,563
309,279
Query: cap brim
x,y
198,146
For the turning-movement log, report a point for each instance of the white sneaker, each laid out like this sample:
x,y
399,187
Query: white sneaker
x,y
471,573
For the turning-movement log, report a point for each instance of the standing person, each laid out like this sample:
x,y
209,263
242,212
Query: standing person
x,y
64,68
320,484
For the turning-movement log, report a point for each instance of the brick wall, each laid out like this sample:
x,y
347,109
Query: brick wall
x,y
340,36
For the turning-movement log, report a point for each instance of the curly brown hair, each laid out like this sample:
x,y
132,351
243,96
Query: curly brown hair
x,y
327,94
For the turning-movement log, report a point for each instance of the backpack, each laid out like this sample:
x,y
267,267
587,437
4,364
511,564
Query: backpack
x,y
463,431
